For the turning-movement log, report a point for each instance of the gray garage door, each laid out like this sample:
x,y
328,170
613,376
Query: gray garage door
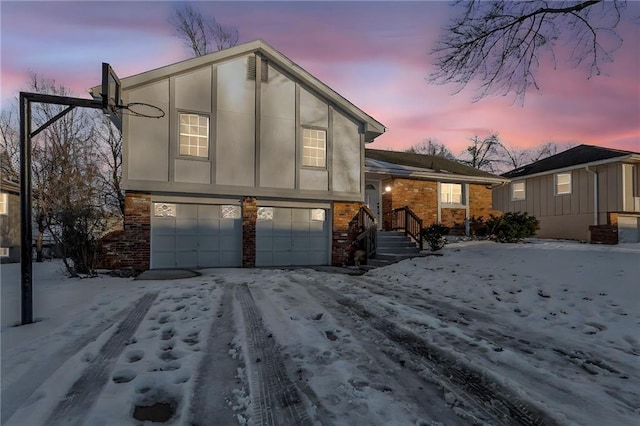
x,y
292,236
195,236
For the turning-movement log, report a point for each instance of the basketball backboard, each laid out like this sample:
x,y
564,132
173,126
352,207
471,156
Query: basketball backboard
x,y
111,95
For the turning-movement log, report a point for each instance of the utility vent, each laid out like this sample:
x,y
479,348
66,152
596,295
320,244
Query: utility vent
x,y
251,69
264,71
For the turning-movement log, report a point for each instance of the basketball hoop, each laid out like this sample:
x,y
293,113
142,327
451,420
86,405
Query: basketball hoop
x,y
142,109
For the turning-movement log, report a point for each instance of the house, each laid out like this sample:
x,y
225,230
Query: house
x,y
255,163
436,189
9,221
587,193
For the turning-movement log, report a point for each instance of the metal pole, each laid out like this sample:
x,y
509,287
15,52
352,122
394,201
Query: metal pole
x,y
26,233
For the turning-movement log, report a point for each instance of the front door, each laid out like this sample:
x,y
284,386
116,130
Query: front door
x,y
372,198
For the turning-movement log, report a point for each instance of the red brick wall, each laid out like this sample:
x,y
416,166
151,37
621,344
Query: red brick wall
x,y
604,234
249,219
454,219
480,201
419,195
345,220
130,248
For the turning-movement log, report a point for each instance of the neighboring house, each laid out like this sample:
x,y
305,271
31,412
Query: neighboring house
x,y
9,221
434,188
256,163
586,193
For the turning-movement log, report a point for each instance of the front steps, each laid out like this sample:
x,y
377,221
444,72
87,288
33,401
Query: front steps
x,y
392,247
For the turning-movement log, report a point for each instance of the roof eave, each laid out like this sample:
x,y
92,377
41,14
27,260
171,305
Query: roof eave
x,y
635,157
434,175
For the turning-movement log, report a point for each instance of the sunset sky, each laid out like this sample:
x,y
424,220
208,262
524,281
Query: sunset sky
x,y
376,54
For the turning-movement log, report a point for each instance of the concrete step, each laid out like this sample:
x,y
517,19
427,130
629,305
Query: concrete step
x,y
391,235
395,257
402,243
376,263
398,250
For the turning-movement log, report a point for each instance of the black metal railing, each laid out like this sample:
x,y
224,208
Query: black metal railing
x,y
406,220
368,229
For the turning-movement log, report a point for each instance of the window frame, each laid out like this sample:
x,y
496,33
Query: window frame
x,y
4,203
555,182
302,148
451,203
179,130
5,252
513,190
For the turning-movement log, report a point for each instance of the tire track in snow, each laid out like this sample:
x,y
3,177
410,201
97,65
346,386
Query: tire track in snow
x,y
18,392
84,392
482,393
274,397
216,379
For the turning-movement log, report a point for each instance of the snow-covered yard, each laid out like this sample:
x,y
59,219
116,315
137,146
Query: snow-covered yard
x,y
538,333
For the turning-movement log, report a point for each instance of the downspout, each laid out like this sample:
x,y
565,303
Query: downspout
x,y
595,196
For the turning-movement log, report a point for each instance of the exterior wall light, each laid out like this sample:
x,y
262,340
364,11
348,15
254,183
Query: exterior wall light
x,y
387,188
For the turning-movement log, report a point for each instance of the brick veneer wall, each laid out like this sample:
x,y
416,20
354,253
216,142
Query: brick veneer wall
x,y
419,195
345,221
249,219
481,201
129,248
453,219
604,234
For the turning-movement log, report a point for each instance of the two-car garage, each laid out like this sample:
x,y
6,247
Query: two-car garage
x,y
187,235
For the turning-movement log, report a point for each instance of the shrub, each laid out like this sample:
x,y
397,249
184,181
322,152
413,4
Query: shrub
x,y
477,226
434,236
511,227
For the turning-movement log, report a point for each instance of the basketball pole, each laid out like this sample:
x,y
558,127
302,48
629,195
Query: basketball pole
x,y
26,226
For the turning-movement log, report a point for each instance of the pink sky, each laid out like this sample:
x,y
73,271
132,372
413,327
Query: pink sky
x,y
376,54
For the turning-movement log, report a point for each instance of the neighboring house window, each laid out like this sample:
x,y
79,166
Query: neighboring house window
x,y
451,193
314,148
194,135
4,251
4,205
563,183
518,191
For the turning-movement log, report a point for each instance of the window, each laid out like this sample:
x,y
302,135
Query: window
x,y
265,213
451,193
4,251
563,183
230,212
194,135
4,205
314,148
518,191
317,215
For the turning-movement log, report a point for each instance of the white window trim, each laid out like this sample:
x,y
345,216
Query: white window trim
x,y
197,136
555,182
451,203
4,203
323,149
513,191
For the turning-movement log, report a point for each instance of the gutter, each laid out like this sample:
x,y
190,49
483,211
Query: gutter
x,y
595,195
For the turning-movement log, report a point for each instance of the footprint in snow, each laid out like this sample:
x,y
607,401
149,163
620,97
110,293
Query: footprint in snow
x,y
123,376
134,356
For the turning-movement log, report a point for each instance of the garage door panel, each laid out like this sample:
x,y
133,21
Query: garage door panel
x,y
300,215
264,243
282,214
187,259
318,243
187,211
195,238
317,227
209,211
300,243
318,258
282,258
208,242
300,258
303,227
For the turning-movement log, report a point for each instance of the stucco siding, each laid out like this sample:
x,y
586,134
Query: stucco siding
x,y
313,111
147,153
235,141
277,131
193,91
346,153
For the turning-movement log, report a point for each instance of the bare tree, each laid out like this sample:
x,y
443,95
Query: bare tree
x,y
202,35
110,157
431,147
500,44
483,154
9,146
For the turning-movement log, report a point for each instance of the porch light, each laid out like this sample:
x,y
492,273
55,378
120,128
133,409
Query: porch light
x,y
387,188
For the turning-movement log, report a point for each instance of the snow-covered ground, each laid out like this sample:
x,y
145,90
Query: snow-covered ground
x,y
551,327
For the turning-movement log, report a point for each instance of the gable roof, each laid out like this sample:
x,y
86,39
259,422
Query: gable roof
x,y
372,127
581,154
420,165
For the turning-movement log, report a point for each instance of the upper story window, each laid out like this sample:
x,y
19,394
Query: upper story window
x,y
518,191
4,205
563,183
451,193
314,147
194,135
